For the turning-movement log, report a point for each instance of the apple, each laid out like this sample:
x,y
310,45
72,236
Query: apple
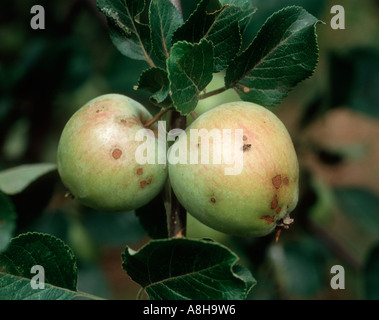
x,y
253,200
206,104
197,230
97,150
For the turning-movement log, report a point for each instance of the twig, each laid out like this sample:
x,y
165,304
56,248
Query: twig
x,y
212,93
177,220
194,115
156,117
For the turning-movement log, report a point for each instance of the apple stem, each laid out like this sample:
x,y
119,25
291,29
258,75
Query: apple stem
x,y
194,115
155,118
212,93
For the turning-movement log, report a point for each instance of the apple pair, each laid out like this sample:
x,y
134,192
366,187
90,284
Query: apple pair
x,y
97,163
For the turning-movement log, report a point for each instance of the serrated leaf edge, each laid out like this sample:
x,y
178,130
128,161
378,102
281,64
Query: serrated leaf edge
x,y
233,259
46,235
232,85
74,293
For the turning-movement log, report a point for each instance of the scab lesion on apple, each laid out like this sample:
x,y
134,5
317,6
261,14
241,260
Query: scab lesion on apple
x,y
96,161
96,155
258,200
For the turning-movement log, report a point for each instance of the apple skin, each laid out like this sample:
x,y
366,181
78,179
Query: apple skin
x,y
253,202
96,155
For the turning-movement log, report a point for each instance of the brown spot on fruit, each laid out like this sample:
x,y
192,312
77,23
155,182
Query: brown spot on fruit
x,y
269,219
213,200
149,180
286,181
139,171
116,153
244,138
277,181
274,202
246,147
143,184
278,210
123,121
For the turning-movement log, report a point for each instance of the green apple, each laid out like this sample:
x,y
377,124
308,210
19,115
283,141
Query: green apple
x,y
198,230
250,199
97,151
206,104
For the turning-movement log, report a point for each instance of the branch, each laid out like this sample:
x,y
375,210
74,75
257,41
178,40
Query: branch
x,y
177,220
212,93
156,117
194,115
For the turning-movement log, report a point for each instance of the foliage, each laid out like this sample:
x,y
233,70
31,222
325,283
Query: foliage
x,y
264,50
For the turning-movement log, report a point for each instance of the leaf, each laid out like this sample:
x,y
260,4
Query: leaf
x,y
243,4
371,274
17,288
221,26
31,249
361,206
17,179
190,68
283,53
196,25
225,34
155,80
164,20
8,218
130,37
179,269
302,270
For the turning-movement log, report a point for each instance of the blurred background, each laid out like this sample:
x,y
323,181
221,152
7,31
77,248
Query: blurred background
x,y
333,118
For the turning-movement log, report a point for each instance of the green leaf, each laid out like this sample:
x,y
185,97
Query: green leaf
x,y
190,68
130,37
225,34
243,4
18,288
196,25
283,53
8,218
164,20
178,269
301,272
371,274
361,206
221,26
155,80
31,249
17,179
